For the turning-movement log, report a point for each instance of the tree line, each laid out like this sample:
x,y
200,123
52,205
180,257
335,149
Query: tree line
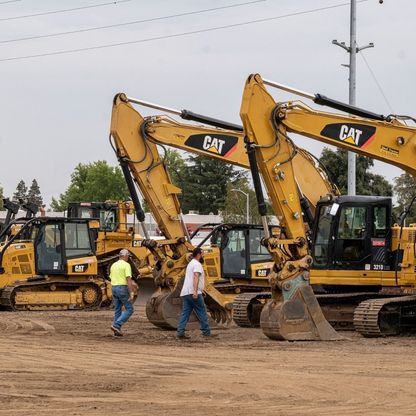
x,y
25,194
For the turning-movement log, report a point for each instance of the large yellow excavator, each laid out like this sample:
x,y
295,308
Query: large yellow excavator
x,y
354,242
237,265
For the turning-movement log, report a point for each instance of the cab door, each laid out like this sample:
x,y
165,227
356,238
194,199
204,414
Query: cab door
x,y
234,256
352,245
49,253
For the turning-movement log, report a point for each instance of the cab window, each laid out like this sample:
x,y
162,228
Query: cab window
x,y
352,223
77,240
85,212
234,253
380,226
107,220
258,253
321,245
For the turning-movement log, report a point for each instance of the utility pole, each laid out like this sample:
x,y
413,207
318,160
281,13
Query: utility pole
x,y
352,50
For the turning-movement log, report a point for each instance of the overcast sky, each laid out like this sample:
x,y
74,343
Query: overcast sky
x,y
55,110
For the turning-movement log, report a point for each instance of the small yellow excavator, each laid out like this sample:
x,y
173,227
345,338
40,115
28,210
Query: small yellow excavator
x,y
63,263
50,263
354,243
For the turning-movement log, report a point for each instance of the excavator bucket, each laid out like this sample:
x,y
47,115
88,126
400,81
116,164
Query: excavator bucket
x,y
163,310
297,316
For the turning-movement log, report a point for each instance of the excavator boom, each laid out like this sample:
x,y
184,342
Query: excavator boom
x,y
293,313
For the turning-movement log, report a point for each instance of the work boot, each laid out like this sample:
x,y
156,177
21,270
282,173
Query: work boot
x,y
210,335
117,331
182,337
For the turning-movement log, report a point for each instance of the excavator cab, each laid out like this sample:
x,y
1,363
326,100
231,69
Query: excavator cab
x,y
55,241
353,232
105,212
242,256
240,249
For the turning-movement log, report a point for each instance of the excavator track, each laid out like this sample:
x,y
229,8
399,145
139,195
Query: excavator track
x,y
247,308
53,294
386,316
338,308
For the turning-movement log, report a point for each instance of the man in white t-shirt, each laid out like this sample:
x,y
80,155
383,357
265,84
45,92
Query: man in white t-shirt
x,y
191,294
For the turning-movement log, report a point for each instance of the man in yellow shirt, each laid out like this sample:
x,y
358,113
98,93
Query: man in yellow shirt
x,y
123,291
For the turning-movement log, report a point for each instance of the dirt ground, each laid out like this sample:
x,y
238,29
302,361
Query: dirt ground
x,y
69,363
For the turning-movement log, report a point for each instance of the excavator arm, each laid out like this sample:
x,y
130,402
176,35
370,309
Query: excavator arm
x,y
388,140
140,158
135,141
293,312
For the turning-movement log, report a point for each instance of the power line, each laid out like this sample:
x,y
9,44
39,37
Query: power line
x,y
376,81
114,2
134,22
9,1
193,32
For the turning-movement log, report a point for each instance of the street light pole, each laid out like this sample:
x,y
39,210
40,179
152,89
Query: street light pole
x,y
247,203
352,50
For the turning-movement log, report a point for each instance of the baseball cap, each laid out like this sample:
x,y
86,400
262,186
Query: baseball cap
x,y
124,252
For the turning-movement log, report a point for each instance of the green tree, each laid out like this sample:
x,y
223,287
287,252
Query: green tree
x,y
21,191
235,206
405,191
176,166
34,194
368,183
204,184
96,181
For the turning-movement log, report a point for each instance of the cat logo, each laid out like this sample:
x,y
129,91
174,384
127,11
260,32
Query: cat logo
x,y
262,272
355,134
79,268
220,144
212,144
350,134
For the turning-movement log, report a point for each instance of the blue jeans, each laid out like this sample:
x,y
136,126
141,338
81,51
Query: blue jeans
x,y
190,304
120,298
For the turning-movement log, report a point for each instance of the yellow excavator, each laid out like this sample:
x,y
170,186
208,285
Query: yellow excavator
x,y
63,263
354,242
50,263
236,265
